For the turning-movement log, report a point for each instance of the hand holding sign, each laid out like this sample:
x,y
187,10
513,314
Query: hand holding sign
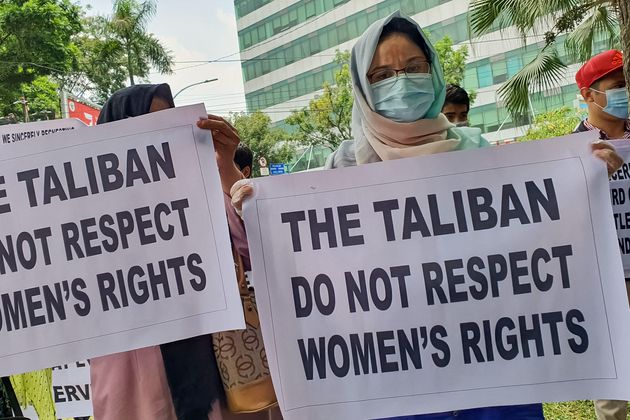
x,y
226,140
607,153
243,190
225,136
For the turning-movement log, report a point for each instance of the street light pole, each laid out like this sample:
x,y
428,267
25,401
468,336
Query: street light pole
x,y
195,84
24,103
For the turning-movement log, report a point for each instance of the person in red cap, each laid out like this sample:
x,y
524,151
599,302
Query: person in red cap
x,y
603,86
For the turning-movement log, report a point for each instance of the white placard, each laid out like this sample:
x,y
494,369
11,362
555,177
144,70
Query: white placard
x,y
620,198
120,242
71,390
460,280
16,133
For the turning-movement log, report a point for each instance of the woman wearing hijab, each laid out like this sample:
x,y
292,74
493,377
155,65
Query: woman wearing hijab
x,y
180,380
399,90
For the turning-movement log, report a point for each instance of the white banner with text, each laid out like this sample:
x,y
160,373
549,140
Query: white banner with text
x,y
71,390
114,238
459,280
620,199
16,133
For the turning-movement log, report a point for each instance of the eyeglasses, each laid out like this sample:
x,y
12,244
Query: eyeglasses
x,y
415,67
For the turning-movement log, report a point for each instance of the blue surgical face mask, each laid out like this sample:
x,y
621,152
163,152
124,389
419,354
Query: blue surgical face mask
x,y
404,98
617,103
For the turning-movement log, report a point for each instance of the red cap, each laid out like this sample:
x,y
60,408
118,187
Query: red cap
x,y
599,66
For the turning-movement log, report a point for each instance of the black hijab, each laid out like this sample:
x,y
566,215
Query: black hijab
x,y
133,101
191,367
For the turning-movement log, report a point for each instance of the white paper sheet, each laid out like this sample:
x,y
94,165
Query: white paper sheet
x,y
140,256
16,133
460,342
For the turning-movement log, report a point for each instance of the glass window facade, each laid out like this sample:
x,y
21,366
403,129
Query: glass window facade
x,y
285,19
456,28
334,34
295,87
245,7
492,117
497,69
480,74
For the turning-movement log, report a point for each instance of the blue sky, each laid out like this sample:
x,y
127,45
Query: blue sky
x,y
196,30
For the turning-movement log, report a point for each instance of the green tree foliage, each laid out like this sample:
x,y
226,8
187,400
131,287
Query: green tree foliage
x,y
556,123
453,62
257,133
624,22
326,120
584,22
101,60
35,38
117,49
44,98
142,50
35,41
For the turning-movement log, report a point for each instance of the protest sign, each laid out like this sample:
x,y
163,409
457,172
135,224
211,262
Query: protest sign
x,y
14,133
71,390
459,280
113,238
620,198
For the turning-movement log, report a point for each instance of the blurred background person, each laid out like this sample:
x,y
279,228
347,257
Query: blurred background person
x,y
456,105
244,159
603,87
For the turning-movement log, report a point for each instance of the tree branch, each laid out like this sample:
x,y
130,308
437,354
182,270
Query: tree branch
x,y
2,41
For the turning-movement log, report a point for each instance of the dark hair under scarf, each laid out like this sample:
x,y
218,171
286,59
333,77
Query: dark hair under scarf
x,y
403,26
191,367
133,101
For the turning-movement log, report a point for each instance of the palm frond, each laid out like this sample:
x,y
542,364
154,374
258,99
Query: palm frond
x,y
159,57
131,17
542,73
601,23
487,15
144,12
121,21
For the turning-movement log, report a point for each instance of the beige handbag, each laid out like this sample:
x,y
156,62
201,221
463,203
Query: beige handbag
x,y
241,357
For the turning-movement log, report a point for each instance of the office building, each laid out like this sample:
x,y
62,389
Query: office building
x,y
287,48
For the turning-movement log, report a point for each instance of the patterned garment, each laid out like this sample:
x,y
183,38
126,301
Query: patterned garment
x,y
604,136
34,389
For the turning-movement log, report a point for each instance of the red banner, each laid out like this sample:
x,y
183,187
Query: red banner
x,y
82,112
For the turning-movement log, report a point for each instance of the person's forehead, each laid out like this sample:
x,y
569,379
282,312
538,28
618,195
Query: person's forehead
x,y
613,78
399,43
159,104
451,107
